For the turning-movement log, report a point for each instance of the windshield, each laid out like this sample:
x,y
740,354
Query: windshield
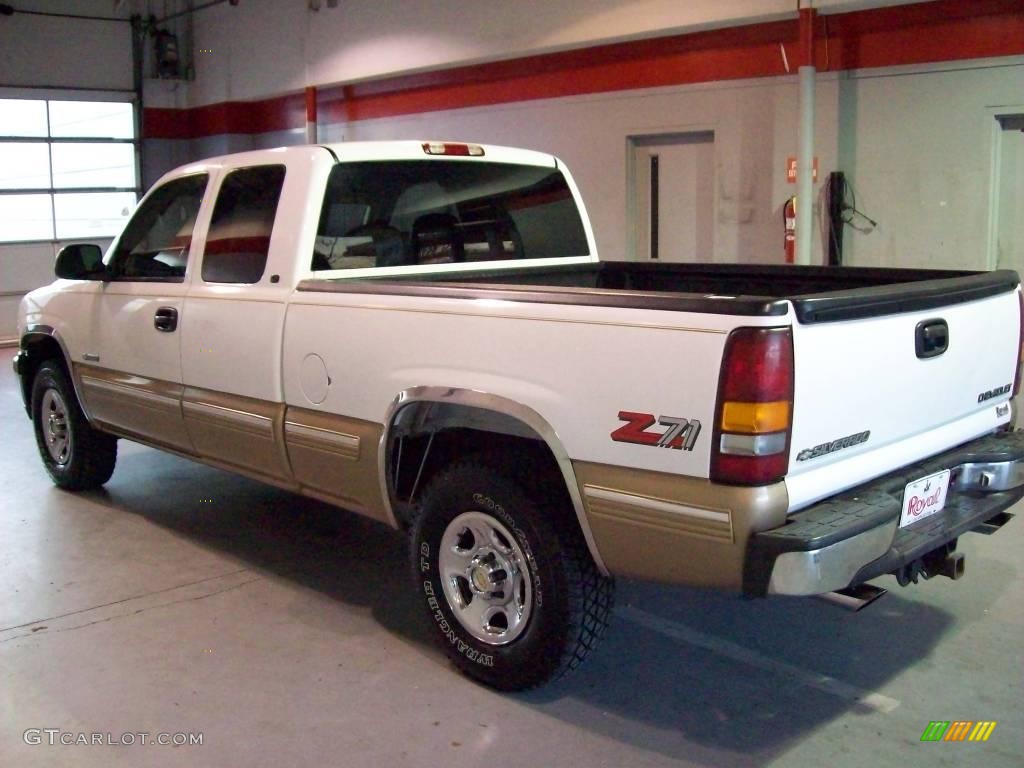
x,y
410,212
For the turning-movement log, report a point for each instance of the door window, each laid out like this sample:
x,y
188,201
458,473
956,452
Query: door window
x,y
155,244
243,218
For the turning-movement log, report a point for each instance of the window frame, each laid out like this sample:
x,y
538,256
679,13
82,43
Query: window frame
x,y
117,252
221,183
49,140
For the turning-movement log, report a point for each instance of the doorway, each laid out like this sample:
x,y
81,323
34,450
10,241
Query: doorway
x,y
1006,205
672,196
1008,228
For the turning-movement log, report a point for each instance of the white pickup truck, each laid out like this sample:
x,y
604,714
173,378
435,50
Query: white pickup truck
x,y
423,333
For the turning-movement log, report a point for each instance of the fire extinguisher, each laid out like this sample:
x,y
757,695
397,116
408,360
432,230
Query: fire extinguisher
x,y
789,224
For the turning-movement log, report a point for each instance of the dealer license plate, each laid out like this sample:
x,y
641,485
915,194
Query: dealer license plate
x,y
923,498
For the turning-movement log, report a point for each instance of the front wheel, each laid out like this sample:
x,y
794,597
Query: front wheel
x,y
76,456
512,594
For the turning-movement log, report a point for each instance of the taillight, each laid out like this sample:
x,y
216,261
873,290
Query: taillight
x,y
754,413
448,148
1020,344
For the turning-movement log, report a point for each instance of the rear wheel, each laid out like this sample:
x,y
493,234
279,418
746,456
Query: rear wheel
x,y
511,592
76,456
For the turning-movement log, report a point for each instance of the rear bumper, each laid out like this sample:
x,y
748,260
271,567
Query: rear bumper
x,y
855,536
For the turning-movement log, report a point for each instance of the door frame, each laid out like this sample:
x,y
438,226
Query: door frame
x,y
640,137
996,131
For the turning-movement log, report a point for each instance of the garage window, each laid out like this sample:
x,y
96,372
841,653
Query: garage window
x,y
67,168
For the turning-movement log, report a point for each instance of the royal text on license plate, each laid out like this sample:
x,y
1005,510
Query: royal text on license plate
x,y
924,497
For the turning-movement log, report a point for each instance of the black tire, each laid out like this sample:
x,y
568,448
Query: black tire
x,y
560,602
76,456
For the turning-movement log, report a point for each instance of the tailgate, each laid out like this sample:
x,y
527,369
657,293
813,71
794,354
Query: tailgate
x,y
891,375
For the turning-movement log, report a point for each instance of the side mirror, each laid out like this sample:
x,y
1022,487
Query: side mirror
x,y
80,261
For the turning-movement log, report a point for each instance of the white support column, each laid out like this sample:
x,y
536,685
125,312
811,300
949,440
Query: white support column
x,y
805,168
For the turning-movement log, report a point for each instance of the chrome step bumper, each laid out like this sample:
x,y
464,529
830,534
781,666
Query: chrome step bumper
x,y
855,536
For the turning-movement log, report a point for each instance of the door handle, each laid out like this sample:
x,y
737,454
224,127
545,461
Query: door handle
x,y
166,319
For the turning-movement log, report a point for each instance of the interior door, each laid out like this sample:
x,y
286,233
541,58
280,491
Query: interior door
x,y
1009,213
1010,185
674,196
130,368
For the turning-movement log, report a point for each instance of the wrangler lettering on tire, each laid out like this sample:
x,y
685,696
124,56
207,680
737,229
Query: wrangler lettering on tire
x,y
511,591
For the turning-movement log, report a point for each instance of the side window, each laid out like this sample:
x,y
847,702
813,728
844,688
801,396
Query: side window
x,y
243,218
154,245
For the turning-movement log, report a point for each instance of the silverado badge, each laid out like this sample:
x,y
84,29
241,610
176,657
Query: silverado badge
x,y
836,445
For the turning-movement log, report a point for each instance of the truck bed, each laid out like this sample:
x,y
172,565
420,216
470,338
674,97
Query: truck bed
x,y
818,294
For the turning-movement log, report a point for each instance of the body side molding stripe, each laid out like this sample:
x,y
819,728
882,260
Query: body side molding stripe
x,y
340,443
657,513
151,399
657,505
262,425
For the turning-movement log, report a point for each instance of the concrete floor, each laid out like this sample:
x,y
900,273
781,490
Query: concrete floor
x,y
184,599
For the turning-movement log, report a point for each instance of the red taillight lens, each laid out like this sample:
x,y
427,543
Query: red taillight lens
x,y
758,365
754,413
1020,344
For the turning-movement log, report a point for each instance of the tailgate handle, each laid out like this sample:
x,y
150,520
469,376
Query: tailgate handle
x,y
932,338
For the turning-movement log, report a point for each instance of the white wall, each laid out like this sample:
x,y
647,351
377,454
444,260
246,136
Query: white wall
x,y
43,51
264,48
755,130
916,144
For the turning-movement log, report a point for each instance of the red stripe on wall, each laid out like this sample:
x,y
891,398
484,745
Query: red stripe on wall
x,y
264,116
727,54
942,30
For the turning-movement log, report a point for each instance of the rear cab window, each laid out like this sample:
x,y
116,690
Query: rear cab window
x,y
421,212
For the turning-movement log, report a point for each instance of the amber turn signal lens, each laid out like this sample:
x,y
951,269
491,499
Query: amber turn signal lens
x,y
755,418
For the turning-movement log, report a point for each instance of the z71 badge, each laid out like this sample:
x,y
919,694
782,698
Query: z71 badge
x,y
681,433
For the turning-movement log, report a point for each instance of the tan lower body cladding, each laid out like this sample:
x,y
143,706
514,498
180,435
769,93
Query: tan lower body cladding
x,y
332,458
335,459
145,409
679,530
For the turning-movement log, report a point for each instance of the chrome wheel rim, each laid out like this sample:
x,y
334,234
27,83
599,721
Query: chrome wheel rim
x,y
56,433
485,578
